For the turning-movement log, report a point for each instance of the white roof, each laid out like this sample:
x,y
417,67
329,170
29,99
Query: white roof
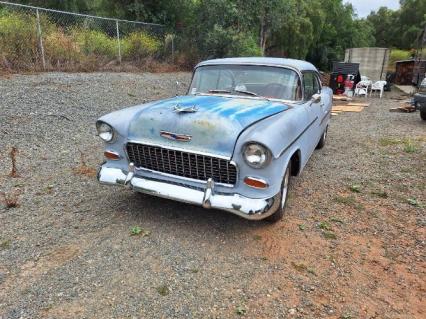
x,y
296,64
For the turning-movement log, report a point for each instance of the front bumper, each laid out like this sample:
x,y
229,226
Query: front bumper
x,y
248,208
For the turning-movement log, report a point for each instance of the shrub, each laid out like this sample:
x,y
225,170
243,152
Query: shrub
x,y
61,48
18,34
93,42
139,46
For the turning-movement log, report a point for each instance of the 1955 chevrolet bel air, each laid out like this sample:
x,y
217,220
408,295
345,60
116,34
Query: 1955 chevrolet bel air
x,y
246,126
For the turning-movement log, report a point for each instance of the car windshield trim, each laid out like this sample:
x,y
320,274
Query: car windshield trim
x,y
298,98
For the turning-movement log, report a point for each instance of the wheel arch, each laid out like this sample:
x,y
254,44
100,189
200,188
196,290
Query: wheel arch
x,y
296,163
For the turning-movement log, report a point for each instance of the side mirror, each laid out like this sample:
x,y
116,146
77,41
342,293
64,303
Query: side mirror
x,y
316,98
177,88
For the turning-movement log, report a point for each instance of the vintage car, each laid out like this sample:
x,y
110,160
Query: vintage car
x,y
419,100
232,143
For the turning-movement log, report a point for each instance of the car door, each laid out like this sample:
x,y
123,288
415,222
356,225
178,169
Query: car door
x,y
314,109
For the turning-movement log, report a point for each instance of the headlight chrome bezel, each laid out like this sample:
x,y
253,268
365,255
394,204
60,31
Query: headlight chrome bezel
x,y
256,147
105,131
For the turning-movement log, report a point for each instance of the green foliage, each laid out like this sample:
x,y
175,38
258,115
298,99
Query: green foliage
x,y
18,44
139,45
93,42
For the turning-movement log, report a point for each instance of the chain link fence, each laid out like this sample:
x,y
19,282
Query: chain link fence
x,y
33,38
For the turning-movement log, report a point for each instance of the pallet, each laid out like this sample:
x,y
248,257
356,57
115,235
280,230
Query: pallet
x,y
403,109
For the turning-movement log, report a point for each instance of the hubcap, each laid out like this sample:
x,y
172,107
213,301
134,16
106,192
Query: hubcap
x,y
285,187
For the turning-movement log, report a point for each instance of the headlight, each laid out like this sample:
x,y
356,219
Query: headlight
x,y
256,155
105,131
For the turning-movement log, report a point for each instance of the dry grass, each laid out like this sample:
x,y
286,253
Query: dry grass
x,y
10,200
12,154
83,168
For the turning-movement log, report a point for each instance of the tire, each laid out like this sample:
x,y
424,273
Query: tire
x,y
423,113
278,215
321,142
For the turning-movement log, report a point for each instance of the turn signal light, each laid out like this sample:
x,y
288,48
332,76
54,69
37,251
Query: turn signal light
x,y
112,155
255,182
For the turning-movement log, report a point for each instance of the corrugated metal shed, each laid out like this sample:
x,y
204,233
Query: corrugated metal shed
x,y
372,61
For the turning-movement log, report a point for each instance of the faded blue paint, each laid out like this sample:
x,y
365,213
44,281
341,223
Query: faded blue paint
x,y
214,128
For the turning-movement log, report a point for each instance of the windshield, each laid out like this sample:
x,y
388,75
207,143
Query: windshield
x,y
422,87
247,80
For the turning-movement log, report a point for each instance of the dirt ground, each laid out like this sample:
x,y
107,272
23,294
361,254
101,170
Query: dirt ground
x,y
352,244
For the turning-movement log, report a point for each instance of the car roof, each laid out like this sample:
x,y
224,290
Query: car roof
x,y
296,64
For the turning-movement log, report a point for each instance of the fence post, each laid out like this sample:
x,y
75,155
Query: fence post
x,y
173,48
40,38
118,41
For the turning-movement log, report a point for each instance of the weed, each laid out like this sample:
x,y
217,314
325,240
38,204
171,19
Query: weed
x,y
5,244
303,268
380,193
163,290
10,200
301,227
324,226
137,231
257,237
348,201
409,146
388,141
346,316
83,169
194,270
329,235
413,202
240,310
355,188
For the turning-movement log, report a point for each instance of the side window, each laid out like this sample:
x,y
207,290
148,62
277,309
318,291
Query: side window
x,y
308,85
317,86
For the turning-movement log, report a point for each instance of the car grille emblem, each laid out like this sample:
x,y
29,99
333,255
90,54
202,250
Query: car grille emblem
x,y
176,137
185,109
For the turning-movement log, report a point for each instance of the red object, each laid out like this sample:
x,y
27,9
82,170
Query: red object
x,y
339,78
349,84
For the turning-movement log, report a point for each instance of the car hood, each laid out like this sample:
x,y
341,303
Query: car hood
x,y
213,123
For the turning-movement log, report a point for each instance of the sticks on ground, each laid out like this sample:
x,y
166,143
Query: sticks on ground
x,y
12,155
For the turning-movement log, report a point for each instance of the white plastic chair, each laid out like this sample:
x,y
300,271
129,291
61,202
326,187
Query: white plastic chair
x,y
378,86
361,88
365,78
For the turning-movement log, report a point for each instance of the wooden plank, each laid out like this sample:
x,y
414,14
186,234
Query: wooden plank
x,y
347,108
341,98
359,104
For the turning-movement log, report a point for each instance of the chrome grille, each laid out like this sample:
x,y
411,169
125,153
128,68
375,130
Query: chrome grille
x,y
183,164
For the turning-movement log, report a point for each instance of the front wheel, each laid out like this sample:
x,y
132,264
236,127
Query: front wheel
x,y
278,215
423,113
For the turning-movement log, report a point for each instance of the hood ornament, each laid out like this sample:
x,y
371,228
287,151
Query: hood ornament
x,y
175,136
183,109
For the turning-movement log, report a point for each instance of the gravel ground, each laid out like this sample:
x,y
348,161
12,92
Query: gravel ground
x,y
351,246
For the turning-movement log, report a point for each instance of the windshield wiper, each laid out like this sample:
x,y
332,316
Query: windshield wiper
x,y
247,92
219,91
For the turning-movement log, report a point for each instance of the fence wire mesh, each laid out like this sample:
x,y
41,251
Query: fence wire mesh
x,y
33,38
